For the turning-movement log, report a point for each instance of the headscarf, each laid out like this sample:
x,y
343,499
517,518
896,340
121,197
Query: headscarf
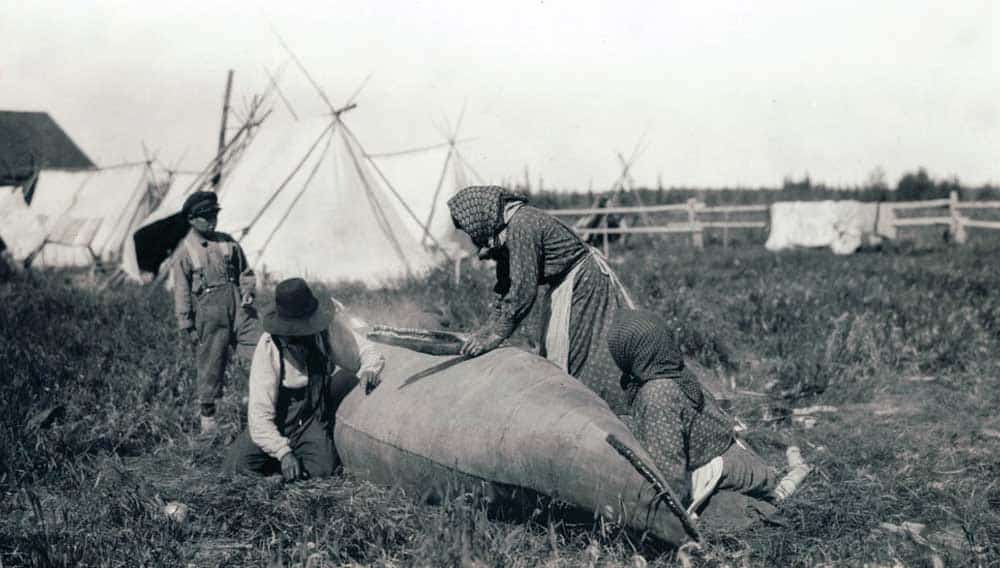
x,y
645,349
478,210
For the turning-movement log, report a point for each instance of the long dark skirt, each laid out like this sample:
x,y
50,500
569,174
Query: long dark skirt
x,y
595,301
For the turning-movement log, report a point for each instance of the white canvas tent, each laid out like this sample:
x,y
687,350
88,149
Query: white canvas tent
x,y
88,214
305,200
20,228
427,178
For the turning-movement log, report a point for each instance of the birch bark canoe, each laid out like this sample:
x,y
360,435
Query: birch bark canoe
x,y
507,418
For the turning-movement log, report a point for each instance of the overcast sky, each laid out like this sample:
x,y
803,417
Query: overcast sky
x,y
728,93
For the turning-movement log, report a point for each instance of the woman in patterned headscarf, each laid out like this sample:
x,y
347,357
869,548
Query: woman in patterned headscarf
x,y
689,437
532,248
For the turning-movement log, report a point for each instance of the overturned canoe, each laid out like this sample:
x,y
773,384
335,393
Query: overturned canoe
x,y
508,418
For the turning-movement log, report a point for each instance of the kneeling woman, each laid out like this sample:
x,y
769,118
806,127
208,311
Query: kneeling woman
x,y
290,419
532,248
681,425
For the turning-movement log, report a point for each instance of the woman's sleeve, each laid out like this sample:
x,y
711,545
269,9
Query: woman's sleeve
x,y
517,278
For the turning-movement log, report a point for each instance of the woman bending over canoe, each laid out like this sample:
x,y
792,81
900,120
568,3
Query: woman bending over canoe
x,y
679,423
290,415
532,248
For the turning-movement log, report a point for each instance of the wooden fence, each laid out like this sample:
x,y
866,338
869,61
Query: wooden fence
x,y
951,215
698,216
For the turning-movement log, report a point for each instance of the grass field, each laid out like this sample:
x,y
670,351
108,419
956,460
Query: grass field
x,y
97,422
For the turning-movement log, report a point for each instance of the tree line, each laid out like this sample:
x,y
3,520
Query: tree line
x,y
917,185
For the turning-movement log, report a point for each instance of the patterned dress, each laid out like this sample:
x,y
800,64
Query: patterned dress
x,y
679,424
680,436
533,249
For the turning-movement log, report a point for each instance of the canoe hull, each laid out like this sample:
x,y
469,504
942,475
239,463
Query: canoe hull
x,y
508,418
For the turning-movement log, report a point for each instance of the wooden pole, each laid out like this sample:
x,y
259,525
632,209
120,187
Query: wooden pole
x,y
696,233
725,231
957,227
437,193
222,130
607,249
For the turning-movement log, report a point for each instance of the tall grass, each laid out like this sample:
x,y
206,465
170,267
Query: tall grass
x,y
97,422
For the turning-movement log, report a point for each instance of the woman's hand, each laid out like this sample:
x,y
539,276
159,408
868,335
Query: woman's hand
x,y
480,342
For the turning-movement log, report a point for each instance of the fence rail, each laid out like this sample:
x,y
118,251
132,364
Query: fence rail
x,y
921,221
926,204
619,210
981,224
697,223
956,222
977,204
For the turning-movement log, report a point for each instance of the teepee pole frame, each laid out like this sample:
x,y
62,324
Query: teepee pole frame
x,y
392,189
437,192
273,81
298,196
281,187
217,176
373,199
335,113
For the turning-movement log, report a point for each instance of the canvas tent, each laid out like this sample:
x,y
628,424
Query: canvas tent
x,y
427,178
841,225
89,214
305,200
20,229
150,244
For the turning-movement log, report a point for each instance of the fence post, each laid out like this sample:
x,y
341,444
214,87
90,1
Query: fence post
x,y
725,231
957,228
696,232
607,249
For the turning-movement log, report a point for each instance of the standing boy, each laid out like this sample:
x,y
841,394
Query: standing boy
x,y
213,299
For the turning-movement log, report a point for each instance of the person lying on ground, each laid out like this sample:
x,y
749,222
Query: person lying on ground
x,y
691,439
290,414
532,248
213,300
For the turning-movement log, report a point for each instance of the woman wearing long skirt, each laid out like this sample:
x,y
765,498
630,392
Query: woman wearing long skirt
x,y
532,248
